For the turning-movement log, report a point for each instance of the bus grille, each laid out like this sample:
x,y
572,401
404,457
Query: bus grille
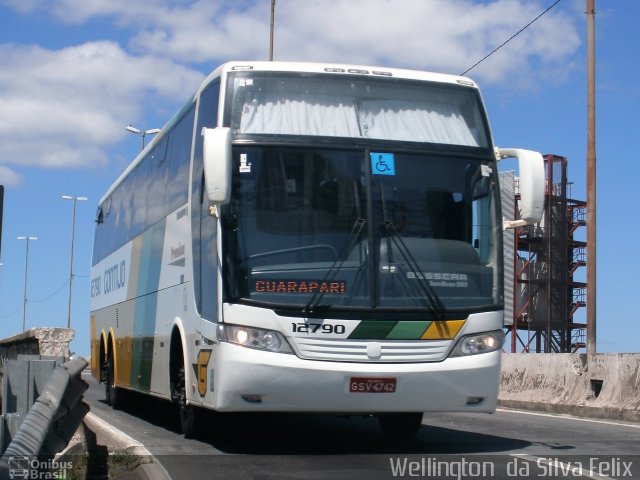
x,y
390,351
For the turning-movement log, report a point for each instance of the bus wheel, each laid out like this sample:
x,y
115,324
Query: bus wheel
x,y
189,414
400,425
113,394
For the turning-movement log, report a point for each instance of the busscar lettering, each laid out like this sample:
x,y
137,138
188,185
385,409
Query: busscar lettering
x,y
438,276
442,279
300,286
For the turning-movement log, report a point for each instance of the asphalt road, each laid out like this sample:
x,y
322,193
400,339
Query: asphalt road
x,y
507,444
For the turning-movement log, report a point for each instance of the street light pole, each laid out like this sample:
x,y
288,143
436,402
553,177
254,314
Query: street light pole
x,y
142,133
271,29
73,235
26,271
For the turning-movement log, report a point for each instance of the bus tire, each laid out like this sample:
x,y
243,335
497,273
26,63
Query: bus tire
x,y
113,394
189,415
400,426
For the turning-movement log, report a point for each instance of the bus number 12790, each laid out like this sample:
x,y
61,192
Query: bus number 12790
x,y
326,328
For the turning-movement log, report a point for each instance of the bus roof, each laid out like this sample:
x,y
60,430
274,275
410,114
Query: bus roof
x,y
334,68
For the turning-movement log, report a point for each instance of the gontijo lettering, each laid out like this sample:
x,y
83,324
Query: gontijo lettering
x,y
113,279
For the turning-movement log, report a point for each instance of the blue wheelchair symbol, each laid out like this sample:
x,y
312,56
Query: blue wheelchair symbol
x,y
383,163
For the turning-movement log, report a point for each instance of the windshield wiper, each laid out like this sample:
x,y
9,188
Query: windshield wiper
x,y
436,306
342,256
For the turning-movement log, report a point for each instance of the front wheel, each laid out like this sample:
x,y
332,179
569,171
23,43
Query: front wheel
x,y
400,425
189,414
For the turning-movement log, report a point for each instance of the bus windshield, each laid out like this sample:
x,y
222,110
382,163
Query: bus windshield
x,y
314,227
352,106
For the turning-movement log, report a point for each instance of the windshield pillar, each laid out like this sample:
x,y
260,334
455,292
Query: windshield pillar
x,y
373,291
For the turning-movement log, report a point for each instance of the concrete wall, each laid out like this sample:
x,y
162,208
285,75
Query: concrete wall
x,y
46,341
605,386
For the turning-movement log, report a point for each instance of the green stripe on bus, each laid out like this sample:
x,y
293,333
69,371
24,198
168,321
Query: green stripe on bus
x,y
146,304
372,330
408,330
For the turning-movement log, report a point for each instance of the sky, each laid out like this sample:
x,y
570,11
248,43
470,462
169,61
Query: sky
x,y
75,73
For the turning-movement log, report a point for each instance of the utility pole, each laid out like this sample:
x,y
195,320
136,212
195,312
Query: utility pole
x,y
591,180
26,272
272,23
73,234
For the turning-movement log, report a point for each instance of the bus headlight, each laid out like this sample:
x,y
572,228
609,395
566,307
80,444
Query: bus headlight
x,y
258,338
478,343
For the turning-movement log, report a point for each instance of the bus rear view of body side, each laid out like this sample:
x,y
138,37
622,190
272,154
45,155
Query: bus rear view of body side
x,y
310,238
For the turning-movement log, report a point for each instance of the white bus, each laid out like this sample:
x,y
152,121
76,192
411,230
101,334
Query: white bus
x,y
309,238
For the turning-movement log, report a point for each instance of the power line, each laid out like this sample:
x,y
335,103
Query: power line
x,y
12,313
510,38
52,295
49,297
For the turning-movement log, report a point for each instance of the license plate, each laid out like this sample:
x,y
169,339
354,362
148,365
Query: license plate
x,y
372,385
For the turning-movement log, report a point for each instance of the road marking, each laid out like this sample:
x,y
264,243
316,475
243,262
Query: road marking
x,y
568,417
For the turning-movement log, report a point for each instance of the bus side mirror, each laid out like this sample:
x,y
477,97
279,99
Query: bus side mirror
x,y
532,185
216,156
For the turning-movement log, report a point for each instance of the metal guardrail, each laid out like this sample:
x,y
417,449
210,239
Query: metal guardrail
x,y
22,382
51,420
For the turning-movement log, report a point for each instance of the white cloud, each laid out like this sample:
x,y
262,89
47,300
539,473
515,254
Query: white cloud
x,y
441,35
67,107
206,32
23,6
61,108
8,177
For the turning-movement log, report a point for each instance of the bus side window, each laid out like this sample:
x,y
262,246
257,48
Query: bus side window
x,y
204,226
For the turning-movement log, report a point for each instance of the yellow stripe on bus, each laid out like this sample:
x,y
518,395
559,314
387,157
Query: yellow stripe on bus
x,y
123,358
95,348
443,330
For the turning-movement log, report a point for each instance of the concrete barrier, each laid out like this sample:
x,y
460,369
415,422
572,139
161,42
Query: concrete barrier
x,y
42,341
53,418
603,386
46,341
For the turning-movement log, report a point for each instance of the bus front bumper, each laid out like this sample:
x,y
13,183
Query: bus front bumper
x,y
254,380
